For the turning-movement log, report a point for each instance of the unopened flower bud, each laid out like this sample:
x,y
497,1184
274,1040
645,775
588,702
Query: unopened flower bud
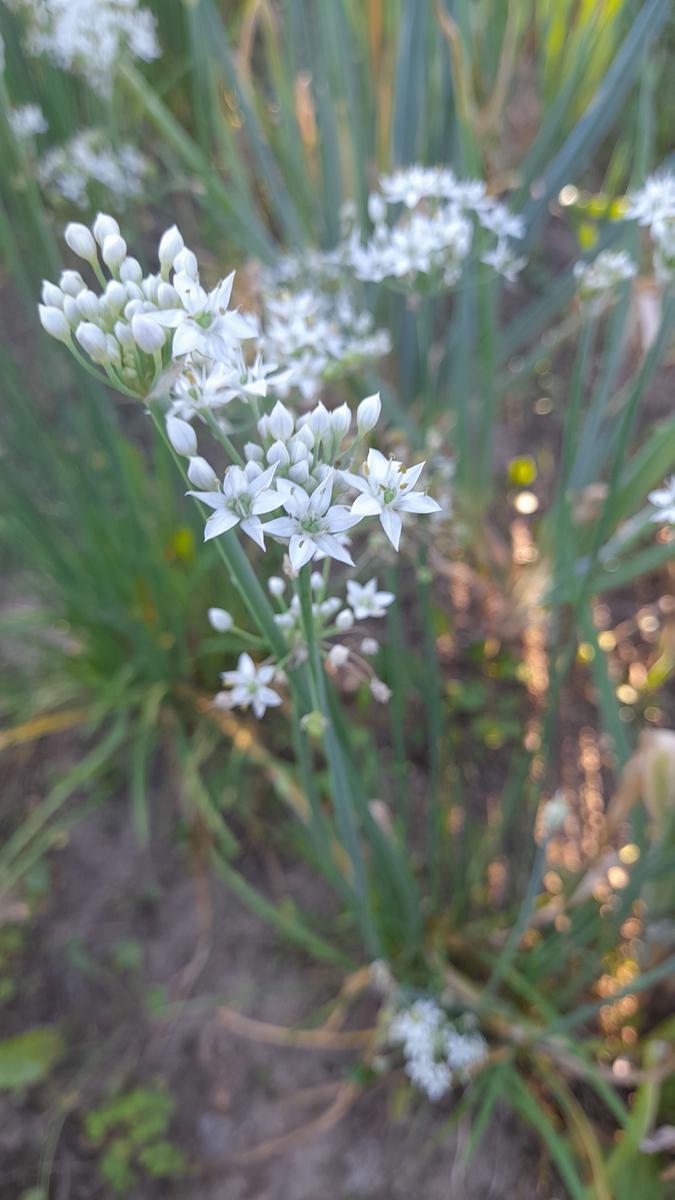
x,y
338,656
380,691
72,283
299,473
131,270
368,414
182,436
314,723
319,421
555,813
370,646
148,335
93,341
276,585
87,303
114,251
186,263
201,474
71,312
115,296
340,420
278,453
167,296
344,619
220,620
114,351
124,335
52,295
253,452
54,322
170,245
105,226
280,422
81,241
316,581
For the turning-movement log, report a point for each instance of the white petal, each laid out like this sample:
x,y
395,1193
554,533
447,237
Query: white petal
x,y
300,550
213,499
366,505
266,502
253,527
219,523
188,337
284,527
418,502
391,523
331,546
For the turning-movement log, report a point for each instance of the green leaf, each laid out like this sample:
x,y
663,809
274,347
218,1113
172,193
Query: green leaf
x,y
29,1057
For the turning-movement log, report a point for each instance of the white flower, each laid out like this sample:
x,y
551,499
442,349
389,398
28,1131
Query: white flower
x,y
386,491
610,268
436,1050
202,322
312,523
496,217
663,500
249,686
654,201
220,619
89,160
365,600
245,495
89,36
504,261
27,121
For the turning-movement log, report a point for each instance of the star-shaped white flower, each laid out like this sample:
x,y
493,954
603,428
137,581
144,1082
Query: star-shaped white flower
x,y
203,323
313,524
249,686
245,495
386,488
663,500
365,600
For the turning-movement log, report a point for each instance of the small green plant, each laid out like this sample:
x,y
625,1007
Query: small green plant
x,y
132,1131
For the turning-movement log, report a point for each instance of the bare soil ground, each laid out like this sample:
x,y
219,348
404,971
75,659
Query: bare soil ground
x,y
233,1095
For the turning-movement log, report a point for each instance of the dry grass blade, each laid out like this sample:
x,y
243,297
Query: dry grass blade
x,y
42,726
305,1039
347,1094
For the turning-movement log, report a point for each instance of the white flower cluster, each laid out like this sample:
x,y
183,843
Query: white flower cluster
x,y
654,206
437,1051
136,324
320,335
87,163
297,466
423,230
601,276
87,37
663,500
332,616
27,121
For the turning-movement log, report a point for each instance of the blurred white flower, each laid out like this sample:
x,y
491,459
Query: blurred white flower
x,y
663,500
365,600
249,686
